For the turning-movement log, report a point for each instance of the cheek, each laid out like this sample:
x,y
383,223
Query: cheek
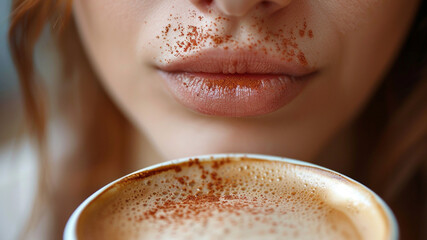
x,y
117,25
107,27
109,32
363,55
348,15
114,34
372,47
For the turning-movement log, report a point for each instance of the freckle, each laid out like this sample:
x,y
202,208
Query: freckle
x,y
302,59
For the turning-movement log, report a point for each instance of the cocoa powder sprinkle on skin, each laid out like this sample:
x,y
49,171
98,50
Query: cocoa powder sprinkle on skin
x,y
212,34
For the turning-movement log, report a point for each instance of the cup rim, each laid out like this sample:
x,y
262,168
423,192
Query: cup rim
x,y
70,231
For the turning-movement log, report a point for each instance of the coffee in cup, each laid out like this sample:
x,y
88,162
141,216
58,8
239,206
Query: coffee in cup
x,y
233,197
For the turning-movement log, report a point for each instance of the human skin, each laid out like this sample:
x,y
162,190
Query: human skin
x,y
352,47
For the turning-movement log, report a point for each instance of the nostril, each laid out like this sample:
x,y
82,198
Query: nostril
x,y
272,5
266,4
202,4
206,2
240,8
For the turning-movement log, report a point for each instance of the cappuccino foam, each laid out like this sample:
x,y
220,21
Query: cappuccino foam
x,y
233,199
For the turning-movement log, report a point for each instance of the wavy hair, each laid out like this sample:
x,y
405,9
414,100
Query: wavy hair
x,y
101,155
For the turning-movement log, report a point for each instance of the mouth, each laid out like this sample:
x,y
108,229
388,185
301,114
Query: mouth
x,y
234,84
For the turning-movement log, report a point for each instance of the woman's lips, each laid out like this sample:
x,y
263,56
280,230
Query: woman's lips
x,y
223,83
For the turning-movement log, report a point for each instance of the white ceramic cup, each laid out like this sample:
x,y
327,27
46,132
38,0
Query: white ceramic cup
x,y
70,232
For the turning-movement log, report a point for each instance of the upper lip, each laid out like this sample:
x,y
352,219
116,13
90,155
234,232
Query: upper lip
x,y
221,61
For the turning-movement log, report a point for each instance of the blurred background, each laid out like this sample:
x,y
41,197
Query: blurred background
x,y
9,88
18,171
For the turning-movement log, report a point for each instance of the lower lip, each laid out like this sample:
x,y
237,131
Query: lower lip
x,y
233,95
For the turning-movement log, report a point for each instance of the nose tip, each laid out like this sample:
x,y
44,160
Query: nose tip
x,y
239,8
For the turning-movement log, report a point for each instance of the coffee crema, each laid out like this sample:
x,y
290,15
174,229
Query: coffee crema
x,y
234,198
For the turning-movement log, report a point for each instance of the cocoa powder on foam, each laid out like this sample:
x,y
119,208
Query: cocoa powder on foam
x,y
229,198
